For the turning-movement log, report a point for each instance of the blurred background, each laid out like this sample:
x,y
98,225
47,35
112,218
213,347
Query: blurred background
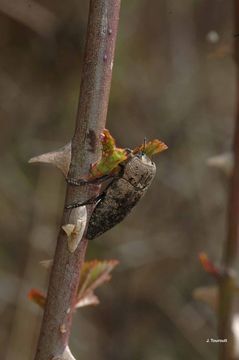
x,y
173,79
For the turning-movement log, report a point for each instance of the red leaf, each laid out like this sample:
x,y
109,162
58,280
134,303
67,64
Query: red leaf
x,y
93,275
37,297
208,266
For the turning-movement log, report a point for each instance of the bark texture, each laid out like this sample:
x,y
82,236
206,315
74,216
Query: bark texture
x,y
91,118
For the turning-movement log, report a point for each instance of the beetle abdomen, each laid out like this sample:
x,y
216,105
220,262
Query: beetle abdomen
x,y
121,196
117,202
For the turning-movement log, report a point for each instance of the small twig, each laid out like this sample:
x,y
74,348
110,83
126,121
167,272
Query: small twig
x,y
231,250
91,118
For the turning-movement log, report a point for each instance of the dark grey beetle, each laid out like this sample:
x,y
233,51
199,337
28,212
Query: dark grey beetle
x,y
120,195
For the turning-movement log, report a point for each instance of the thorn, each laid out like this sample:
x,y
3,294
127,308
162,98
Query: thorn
x,y
67,355
223,162
68,228
208,295
59,158
47,264
75,230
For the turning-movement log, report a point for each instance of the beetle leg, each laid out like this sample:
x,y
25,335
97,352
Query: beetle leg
x,y
92,200
99,180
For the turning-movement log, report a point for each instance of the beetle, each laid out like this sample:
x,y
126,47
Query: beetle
x,y
120,195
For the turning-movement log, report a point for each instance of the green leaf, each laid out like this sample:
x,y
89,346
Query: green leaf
x,y
111,156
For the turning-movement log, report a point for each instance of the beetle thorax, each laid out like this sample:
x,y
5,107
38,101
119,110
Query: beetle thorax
x,y
139,171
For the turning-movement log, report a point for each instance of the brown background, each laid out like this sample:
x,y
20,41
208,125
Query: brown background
x,y
170,81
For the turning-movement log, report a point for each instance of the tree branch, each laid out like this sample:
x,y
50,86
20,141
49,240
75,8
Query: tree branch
x,y
91,118
231,248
